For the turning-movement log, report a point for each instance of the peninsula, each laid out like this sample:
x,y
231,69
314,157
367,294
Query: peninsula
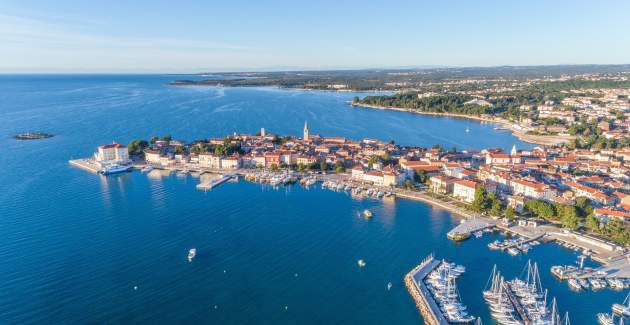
x,y
583,191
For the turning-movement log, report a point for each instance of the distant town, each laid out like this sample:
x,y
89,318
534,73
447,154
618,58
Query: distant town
x,y
581,107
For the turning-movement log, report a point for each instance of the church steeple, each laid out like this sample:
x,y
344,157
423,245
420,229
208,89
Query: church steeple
x,y
305,131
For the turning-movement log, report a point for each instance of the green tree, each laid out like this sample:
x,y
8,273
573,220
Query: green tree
x,y
479,201
496,207
136,147
274,167
339,168
569,217
154,139
323,166
420,176
510,213
373,160
592,223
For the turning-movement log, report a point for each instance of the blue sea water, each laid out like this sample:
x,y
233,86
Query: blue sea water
x,y
82,248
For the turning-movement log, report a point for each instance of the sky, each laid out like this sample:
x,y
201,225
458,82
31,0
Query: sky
x,y
203,36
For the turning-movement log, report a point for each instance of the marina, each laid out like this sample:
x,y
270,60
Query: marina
x,y
521,300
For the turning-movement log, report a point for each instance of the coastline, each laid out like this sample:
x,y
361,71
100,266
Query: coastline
x,y
547,140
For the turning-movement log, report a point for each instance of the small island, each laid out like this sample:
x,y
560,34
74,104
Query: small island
x,y
32,136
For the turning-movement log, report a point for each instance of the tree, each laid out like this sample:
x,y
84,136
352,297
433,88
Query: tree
x,y
136,147
323,166
180,150
274,167
154,139
420,176
408,185
199,147
510,213
339,168
496,207
301,167
373,160
569,217
479,202
592,223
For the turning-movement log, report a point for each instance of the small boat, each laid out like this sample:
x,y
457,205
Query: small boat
x,y
389,286
147,169
605,319
513,251
575,284
191,254
467,130
478,234
361,263
367,213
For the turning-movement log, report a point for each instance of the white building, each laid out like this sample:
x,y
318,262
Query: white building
x,y
112,153
209,160
464,190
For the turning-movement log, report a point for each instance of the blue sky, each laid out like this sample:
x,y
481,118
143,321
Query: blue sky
x,y
194,36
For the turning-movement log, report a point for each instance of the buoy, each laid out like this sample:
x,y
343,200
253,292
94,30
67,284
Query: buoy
x,y
135,287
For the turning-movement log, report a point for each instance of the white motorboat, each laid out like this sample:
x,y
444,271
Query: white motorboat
x,y
191,254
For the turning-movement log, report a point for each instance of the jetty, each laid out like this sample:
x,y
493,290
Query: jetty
x,y
87,164
516,303
208,185
414,281
467,227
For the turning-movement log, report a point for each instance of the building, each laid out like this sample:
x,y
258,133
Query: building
x,y
112,153
306,131
442,184
464,190
233,162
152,156
209,160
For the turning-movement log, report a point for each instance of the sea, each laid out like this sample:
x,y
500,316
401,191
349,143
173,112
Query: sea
x,y
80,248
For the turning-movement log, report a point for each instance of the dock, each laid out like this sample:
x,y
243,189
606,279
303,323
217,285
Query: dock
x,y
87,164
517,305
528,240
464,229
208,185
414,281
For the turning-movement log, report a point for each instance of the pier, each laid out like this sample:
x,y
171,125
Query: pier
x,y
467,227
517,305
528,240
414,281
87,164
208,185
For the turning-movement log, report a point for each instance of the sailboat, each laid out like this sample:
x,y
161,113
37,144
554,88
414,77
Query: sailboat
x,y
622,309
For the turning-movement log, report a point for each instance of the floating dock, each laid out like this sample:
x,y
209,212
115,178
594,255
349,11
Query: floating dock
x,y
414,281
208,185
464,229
87,164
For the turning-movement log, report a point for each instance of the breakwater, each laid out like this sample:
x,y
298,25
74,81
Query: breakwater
x,y
427,307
